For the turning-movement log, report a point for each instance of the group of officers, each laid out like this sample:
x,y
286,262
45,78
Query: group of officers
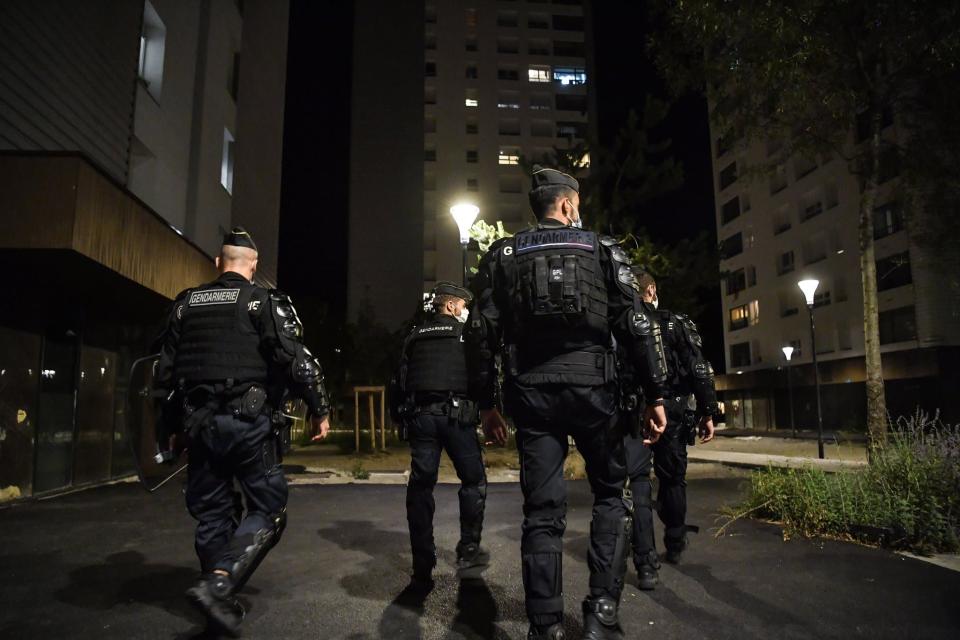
x,y
559,331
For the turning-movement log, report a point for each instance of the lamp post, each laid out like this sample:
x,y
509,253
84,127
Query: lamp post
x,y
464,214
809,287
788,353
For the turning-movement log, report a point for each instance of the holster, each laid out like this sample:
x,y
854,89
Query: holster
x,y
690,427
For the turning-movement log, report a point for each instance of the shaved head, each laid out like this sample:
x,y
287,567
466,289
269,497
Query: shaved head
x,y
242,260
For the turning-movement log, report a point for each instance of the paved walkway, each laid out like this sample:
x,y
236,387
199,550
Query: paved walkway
x,y
763,460
112,563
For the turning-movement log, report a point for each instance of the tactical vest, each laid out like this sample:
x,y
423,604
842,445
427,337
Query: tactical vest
x,y
559,326
436,360
218,340
669,333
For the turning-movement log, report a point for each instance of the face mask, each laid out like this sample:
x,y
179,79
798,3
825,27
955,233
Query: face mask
x,y
464,314
656,303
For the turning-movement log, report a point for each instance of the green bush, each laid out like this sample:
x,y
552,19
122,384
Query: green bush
x,y
908,497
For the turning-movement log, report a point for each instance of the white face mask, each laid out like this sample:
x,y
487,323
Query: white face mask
x,y
464,314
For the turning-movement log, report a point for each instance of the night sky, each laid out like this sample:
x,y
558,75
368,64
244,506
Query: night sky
x,y
313,225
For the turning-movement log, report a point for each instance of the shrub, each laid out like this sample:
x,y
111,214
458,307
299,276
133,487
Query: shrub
x,y
908,497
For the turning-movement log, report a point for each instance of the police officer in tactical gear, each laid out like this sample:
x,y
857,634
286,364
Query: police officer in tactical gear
x,y
689,374
549,300
227,354
430,402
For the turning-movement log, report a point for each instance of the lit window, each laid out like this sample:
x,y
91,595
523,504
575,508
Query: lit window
x,y
509,156
226,164
153,37
470,102
538,74
570,75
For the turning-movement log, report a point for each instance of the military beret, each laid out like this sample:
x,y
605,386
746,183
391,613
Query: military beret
x,y
238,237
450,289
543,177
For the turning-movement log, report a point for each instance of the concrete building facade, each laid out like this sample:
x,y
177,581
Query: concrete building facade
x,y
497,81
120,169
801,222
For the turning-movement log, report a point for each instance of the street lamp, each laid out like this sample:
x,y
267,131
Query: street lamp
x,y
464,214
788,353
809,287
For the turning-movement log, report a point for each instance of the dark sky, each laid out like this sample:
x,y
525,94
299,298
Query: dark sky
x,y
313,226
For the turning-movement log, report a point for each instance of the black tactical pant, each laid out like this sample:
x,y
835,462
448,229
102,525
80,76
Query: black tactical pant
x,y
545,416
233,449
670,467
428,434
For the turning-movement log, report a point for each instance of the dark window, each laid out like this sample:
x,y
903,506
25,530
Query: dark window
x,y
728,175
508,45
736,281
472,73
473,184
898,325
568,23
731,246
429,95
430,155
430,15
507,19
567,102
724,144
511,184
471,44
431,42
472,126
538,48
509,128
730,210
569,49
430,69
887,220
571,129
785,263
508,74
740,354
811,210
821,299
538,21
471,155
894,271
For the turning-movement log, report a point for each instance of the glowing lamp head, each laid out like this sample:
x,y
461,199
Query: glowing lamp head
x,y
787,353
464,214
809,287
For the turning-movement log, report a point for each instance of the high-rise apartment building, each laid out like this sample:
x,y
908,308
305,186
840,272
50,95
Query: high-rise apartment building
x,y
499,80
802,222
133,133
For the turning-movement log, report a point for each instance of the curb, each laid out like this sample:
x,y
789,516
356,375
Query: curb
x,y
764,460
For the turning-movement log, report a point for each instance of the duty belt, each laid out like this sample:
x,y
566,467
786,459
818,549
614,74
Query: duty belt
x,y
588,364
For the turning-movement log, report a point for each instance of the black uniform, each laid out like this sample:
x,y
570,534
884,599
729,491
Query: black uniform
x,y
552,296
431,403
688,373
229,350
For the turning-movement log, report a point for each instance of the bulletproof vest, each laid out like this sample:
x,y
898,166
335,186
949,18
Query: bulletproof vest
x,y
436,360
218,340
670,335
559,287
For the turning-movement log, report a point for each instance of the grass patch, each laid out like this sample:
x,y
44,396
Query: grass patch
x,y
358,472
907,498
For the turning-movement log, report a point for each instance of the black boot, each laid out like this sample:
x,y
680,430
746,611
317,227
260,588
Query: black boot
x,y
422,579
647,574
472,560
553,632
213,596
675,547
600,619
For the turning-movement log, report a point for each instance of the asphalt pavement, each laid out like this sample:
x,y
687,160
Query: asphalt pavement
x,y
113,562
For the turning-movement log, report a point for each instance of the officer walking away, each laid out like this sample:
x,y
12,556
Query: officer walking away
x,y
229,351
688,374
430,403
548,300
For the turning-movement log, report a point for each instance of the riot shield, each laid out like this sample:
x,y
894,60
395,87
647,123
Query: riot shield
x,y
152,470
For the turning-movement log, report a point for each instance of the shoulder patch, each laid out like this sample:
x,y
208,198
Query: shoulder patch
x,y
555,239
206,297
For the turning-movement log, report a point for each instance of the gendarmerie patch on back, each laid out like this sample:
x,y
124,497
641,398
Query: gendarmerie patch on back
x,y
213,296
555,238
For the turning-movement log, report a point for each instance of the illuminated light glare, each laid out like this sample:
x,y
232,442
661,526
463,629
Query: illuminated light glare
x,y
471,102
739,373
839,251
48,373
787,352
21,416
464,214
809,288
103,370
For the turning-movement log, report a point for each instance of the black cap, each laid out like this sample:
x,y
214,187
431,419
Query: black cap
x,y
543,177
238,237
450,289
